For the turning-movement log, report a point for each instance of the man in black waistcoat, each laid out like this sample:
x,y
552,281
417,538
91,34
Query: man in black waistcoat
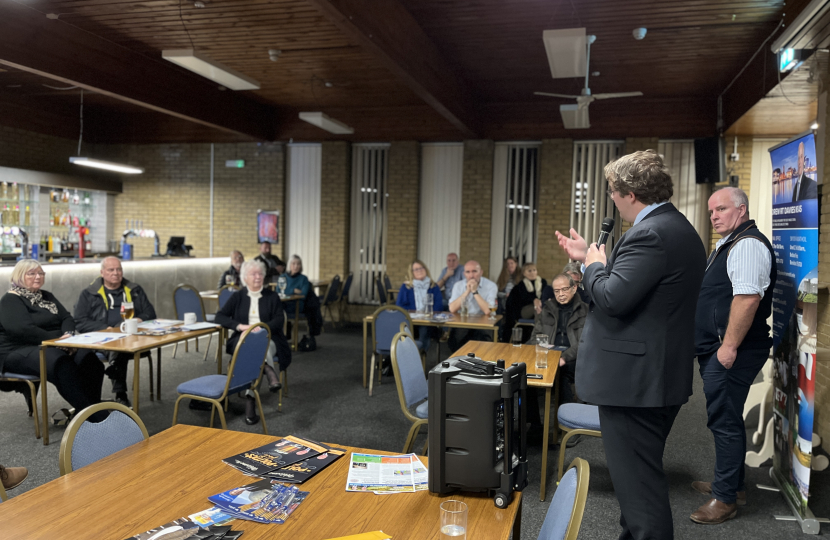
x,y
636,352
732,342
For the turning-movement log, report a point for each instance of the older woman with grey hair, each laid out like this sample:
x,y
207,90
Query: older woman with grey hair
x,y
252,304
30,315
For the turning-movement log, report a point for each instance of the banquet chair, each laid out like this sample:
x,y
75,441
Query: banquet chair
x,y
30,380
576,419
331,298
412,385
564,517
244,373
343,299
87,442
186,299
386,322
390,292
383,298
225,293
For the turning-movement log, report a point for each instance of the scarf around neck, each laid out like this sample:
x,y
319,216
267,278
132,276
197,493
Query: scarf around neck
x,y
36,298
421,288
534,286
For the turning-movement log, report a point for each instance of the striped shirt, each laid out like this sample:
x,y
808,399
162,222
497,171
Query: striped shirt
x,y
748,266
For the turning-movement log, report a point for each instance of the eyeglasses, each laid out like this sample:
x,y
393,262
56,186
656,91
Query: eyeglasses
x,y
562,291
34,274
418,268
610,191
255,274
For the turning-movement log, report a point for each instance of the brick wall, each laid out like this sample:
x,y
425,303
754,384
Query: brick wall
x,y
554,208
477,202
402,208
172,197
335,202
28,150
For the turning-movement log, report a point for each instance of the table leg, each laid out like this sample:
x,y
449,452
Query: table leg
x,y
43,400
495,334
296,329
365,338
545,439
517,523
137,380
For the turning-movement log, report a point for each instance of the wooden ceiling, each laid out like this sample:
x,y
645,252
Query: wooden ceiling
x,y
427,70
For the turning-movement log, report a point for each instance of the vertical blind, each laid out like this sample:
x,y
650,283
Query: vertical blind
x,y
439,231
368,230
514,212
303,206
689,197
590,203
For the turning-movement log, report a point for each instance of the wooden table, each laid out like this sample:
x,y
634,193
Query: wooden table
x,y
172,474
212,294
527,354
134,345
474,322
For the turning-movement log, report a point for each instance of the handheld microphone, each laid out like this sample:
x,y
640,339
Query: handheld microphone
x,y
605,230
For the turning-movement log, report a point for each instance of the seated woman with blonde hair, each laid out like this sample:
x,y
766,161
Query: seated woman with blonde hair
x,y
413,296
524,299
508,278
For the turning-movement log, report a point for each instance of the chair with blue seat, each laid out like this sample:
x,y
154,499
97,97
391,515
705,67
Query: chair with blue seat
x,y
576,419
564,517
386,322
225,293
186,299
412,385
343,299
87,442
30,381
331,298
244,373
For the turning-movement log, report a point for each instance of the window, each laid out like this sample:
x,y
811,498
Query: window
x,y
590,203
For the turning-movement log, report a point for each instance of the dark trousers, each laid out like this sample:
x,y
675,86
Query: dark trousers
x,y
117,369
634,439
77,377
460,336
726,391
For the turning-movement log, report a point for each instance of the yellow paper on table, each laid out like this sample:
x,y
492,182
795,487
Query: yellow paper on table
x,y
374,535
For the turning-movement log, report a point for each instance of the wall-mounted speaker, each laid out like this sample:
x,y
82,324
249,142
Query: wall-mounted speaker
x,y
710,164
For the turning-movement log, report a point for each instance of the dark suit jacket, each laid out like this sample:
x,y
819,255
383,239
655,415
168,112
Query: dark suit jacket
x,y
807,189
637,347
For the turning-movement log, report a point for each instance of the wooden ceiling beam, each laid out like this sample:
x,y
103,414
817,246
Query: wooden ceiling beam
x,y
388,31
62,52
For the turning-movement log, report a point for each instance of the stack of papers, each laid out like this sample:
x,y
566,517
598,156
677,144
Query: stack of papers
x,y
291,459
91,338
265,501
199,326
384,475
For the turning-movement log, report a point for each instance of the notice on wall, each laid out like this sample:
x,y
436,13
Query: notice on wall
x,y
795,315
268,226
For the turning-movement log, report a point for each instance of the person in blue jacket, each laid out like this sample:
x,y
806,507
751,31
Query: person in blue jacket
x,y
296,283
413,296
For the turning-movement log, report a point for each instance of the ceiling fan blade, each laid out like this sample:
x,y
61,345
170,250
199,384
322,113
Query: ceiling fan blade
x,y
566,96
617,95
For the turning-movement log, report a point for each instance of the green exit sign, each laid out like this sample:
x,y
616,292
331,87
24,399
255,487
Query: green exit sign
x,y
235,163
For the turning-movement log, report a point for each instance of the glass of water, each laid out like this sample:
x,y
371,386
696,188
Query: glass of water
x,y
282,283
542,342
516,337
453,520
428,307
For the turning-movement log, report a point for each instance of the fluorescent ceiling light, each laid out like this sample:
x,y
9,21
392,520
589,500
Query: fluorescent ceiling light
x,y
210,69
566,50
324,122
106,165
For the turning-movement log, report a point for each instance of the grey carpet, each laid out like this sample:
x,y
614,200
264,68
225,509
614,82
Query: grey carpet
x,y
327,402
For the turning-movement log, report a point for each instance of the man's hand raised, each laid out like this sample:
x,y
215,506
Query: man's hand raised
x,y
576,247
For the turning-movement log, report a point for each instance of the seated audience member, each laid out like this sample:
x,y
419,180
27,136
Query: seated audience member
x,y
573,269
450,275
297,283
413,296
251,304
477,295
233,272
30,315
12,476
562,319
509,276
273,265
99,307
525,298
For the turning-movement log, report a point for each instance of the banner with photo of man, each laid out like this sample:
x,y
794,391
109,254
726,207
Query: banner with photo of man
x,y
795,314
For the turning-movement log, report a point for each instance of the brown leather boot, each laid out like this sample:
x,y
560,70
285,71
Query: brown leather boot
x,y
706,489
714,512
13,476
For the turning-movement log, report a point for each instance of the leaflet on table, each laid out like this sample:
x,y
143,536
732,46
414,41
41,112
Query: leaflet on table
x,y
92,338
265,501
159,323
297,473
420,477
374,535
207,524
385,474
199,326
427,317
275,455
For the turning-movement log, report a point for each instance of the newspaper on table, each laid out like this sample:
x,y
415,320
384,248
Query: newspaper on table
x,y
92,338
383,475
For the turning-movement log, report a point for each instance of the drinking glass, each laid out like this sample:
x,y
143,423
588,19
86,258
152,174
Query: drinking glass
x,y
516,338
229,280
453,520
464,311
428,307
282,283
541,351
127,310
493,310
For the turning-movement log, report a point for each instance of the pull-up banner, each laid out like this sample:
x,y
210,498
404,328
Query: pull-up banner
x,y
795,315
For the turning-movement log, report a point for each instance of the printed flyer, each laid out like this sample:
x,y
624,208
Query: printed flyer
x,y
386,474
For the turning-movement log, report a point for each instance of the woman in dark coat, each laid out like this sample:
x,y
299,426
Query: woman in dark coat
x,y
30,315
252,304
524,300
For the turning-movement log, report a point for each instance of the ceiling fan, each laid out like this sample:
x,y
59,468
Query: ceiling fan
x,y
575,116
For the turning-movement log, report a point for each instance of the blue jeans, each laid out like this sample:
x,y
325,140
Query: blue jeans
x,y
726,391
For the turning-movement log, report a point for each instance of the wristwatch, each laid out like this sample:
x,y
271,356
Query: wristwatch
x,y
475,293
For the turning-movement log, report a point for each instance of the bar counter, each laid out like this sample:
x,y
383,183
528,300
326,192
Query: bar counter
x,y
158,276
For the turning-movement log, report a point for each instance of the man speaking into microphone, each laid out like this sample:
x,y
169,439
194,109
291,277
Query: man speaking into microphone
x,y
637,348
